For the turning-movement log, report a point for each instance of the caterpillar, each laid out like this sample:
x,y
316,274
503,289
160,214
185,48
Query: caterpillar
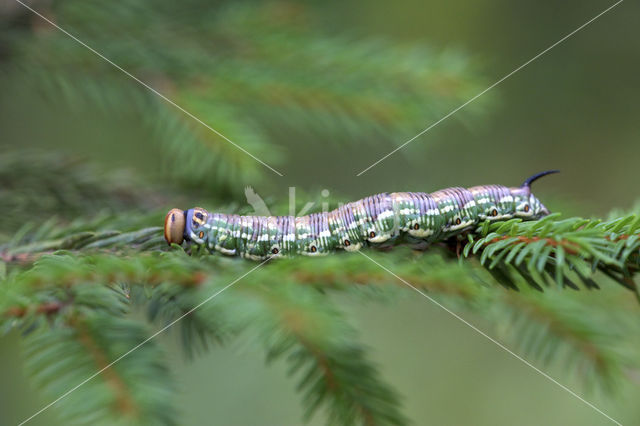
x,y
380,220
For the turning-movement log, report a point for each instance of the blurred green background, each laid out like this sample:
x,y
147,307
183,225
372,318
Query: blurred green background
x,y
321,91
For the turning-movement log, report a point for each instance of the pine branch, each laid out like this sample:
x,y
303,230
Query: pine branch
x,y
240,68
70,286
47,185
63,272
87,333
550,326
299,321
301,325
561,251
553,320
574,332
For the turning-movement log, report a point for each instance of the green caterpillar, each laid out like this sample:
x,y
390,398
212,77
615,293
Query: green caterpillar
x,y
380,220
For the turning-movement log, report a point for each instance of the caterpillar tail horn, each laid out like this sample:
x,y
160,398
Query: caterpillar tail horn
x,y
527,183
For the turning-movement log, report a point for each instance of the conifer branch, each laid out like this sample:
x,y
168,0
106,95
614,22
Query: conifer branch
x,y
246,67
123,399
561,251
292,305
83,336
69,283
556,329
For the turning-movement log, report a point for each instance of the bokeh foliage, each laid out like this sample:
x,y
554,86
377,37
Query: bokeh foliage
x,y
253,71
85,287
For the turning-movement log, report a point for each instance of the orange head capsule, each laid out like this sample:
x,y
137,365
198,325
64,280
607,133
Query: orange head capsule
x,y
174,224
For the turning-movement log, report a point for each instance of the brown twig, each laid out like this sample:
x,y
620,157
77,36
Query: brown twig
x,y
48,308
569,246
123,399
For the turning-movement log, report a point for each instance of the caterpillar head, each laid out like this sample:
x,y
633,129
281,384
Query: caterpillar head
x,y
528,205
180,225
196,220
174,225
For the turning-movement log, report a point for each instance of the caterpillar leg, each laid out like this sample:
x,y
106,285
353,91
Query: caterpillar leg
x,y
383,248
420,246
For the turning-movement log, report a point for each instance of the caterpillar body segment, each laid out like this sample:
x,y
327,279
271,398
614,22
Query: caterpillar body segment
x,y
379,220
